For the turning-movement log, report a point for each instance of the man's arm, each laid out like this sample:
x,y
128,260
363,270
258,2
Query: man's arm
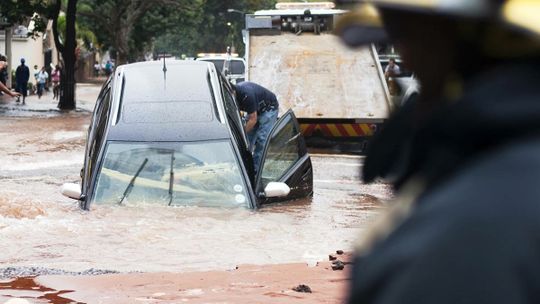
x,y
3,88
252,120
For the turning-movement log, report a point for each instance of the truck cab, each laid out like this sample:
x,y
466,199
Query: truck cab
x,y
229,64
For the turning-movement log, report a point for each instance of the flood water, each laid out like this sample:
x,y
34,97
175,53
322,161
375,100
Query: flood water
x,y
40,227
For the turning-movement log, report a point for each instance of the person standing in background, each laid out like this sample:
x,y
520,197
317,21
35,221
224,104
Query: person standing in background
x,y
97,69
108,68
35,72
22,75
55,78
42,77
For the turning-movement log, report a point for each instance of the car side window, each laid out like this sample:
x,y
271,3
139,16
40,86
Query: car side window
x,y
231,108
283,151
96,140
97,110
230,105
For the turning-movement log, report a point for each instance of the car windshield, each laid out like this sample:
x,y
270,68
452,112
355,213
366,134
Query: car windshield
x,y
204,173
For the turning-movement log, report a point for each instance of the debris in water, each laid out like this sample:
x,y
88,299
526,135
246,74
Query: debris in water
x,y
18,272
338,265
302,288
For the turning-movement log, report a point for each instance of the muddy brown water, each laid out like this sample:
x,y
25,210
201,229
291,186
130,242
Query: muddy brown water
x,y
40,227
27,288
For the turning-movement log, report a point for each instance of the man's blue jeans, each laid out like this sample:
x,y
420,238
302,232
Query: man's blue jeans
x,y
258,135
40,89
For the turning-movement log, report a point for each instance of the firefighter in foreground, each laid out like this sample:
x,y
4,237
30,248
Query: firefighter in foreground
x,y
464,158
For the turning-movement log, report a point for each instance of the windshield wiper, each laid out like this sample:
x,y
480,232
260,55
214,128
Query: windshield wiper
x,y
171,179
130,186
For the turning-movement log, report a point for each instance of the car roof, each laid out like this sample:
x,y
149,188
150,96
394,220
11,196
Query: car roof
x,y
169,100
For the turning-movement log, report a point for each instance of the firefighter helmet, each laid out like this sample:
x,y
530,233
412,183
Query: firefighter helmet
x,y
522,15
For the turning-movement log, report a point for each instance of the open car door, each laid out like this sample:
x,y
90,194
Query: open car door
x,y
285,159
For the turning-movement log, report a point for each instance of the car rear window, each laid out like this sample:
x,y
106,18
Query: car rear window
x,y
181,94
178,83
167,112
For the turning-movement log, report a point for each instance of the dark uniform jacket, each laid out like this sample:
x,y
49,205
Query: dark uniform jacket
x,y
473,233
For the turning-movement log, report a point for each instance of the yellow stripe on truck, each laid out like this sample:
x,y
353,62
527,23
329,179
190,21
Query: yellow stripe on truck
x,y
349,129
333,129
337,130
367,130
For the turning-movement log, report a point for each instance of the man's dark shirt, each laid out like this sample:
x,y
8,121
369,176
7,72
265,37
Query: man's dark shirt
x,y
255,98
22,74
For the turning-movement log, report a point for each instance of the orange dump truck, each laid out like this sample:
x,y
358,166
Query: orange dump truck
x,y
336,93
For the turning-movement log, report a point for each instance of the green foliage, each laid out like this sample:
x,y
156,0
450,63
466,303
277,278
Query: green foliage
x,y
129,26
207,30
167,26
83,33
134,27
20,11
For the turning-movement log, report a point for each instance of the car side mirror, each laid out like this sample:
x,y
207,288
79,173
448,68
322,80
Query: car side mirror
x,y
71,190
276,189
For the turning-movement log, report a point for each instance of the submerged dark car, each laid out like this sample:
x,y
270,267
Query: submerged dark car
x,y
170,133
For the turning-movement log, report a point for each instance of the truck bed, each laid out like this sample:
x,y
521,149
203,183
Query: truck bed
x,y
318,77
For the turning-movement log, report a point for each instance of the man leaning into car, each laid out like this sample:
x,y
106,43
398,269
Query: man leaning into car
x,y
261,106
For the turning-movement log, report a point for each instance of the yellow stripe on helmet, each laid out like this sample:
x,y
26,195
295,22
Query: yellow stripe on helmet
x,y
426,4
365,14
465,8
523,13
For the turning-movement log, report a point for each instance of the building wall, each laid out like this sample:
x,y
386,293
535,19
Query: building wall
x,y
32,50
29,49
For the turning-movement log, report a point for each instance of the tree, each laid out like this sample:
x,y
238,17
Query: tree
x,y
16,12
115,21
182,31
40,11
154,23
84,35
68,49
208,29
